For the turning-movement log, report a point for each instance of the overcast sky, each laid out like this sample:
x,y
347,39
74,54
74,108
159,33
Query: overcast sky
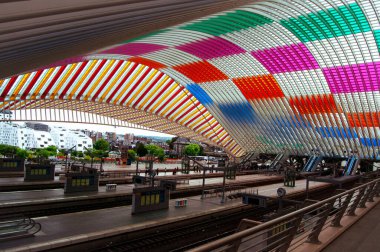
x,y
106,128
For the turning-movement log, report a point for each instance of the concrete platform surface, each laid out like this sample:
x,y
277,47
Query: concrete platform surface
x,y
362,236
105,222
24,197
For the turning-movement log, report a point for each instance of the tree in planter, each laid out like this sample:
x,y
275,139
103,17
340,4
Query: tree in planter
x,y
141,150
20,153
156,151
52,150
132,155
192,150
102,145
8,150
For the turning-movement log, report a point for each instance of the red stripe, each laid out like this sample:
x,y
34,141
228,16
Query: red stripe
x,y
107,80
232,149
122,82
10,104
159,94
203,123
148,89
187,111
73,79
221,140
7,88
207,130
171,97
229,142
136,85
177,107
217,133
91,79
194,118
31,84
51,84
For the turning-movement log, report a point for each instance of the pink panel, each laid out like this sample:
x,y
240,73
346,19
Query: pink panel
x,y
133,49
211,48
353,78
286,58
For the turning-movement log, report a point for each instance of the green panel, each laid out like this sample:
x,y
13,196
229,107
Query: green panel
x,y
376,34
235,21
145,36
328,23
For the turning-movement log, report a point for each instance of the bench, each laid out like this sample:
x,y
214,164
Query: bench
x,y
111,187
180,203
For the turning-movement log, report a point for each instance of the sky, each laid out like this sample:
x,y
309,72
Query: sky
x,y
106,128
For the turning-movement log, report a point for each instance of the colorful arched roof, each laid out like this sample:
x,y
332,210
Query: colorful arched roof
x,y
275,74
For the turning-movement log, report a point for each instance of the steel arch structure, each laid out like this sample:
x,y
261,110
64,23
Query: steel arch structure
x,y
299,75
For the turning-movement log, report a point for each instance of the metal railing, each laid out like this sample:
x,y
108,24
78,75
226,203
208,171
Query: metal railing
x,y
14,227
288,232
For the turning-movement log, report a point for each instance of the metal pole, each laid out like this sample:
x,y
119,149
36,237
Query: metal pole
x,y
203,183
224,184
307,187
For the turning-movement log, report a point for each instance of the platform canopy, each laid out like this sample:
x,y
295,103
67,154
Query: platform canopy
x,y
273,75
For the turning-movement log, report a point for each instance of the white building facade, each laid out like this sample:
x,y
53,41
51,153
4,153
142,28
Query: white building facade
x,y
27,138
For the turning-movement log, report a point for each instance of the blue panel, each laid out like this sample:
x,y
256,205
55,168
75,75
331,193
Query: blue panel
x,y
199,93
291,122
329,132
239,112
370,142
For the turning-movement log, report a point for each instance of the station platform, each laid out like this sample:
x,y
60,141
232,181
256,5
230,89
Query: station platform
x,y
66,229
17,198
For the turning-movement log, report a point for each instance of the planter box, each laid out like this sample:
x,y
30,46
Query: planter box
x,y
39,172
12,165
149,199
81,182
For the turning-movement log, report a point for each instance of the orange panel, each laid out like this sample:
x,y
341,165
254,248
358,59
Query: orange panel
x,y
259,87
201,71
364,119
147,62
314,104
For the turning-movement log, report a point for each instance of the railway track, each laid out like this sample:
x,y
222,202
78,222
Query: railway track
x,y
192,233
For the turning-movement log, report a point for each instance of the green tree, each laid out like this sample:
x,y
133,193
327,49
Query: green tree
x,y
20,153
7,150
141,150
192,150
156,151
102,145
52,149
132,155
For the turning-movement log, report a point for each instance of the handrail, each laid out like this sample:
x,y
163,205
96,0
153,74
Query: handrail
x,y
370,186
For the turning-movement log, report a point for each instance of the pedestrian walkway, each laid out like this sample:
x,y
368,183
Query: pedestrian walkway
x,y
363,236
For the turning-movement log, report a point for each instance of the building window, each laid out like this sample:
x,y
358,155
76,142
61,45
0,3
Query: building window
x,y
39,138
79,145
41,145
61,140
61,134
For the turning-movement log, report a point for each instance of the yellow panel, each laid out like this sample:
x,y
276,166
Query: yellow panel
x,y
114,81
142,86
96,83
153,92
140,69
63,80
19,86
79,83
42,83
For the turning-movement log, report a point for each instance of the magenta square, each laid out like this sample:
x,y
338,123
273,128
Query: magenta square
x,y
211,48
353,78
286,58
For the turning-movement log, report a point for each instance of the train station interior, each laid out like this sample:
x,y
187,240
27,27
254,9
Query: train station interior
x,y
285,93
